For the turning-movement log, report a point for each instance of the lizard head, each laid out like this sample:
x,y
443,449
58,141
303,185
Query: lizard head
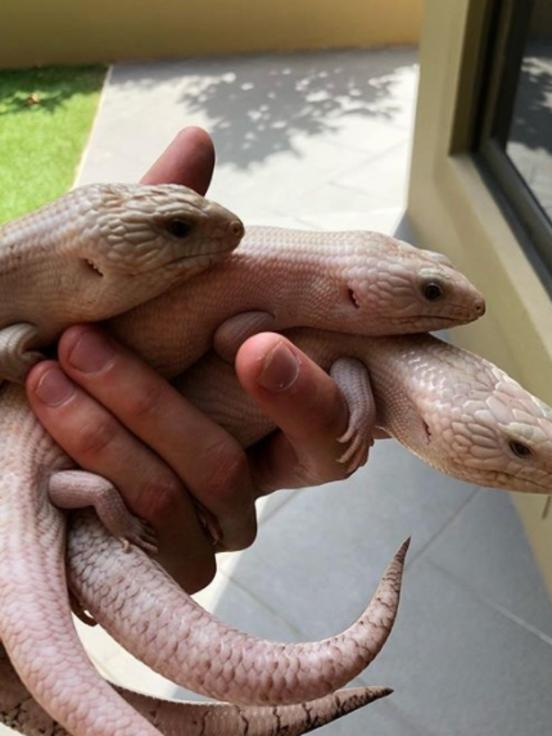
x,y
480,425
409,289
140,240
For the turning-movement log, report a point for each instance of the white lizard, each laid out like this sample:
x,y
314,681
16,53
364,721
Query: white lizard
x,y
19,710
455,410
339,280
96,252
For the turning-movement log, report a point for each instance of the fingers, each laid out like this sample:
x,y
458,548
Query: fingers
x,y
188,160
162,429
304,402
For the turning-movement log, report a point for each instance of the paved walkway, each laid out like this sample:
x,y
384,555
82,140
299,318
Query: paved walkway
x,y
322,140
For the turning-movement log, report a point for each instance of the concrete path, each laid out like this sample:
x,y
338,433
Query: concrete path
x,y
322,140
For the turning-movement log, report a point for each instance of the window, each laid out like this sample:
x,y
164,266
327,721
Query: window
x,y
514,141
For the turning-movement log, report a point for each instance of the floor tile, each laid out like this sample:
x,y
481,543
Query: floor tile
x,y
486,550
320,556
461,668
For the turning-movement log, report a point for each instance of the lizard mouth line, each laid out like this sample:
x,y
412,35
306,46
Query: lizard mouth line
x,y
199,257
536,487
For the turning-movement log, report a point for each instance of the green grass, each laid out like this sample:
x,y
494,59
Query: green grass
x,y
45,119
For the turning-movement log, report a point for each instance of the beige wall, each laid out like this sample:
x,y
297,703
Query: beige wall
x,y
452,211
74,31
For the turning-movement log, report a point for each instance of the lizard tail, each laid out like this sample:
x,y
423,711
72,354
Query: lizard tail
x,y
20,711
152,617
36,626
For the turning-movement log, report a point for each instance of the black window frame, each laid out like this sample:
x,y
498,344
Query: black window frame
x,y
504,48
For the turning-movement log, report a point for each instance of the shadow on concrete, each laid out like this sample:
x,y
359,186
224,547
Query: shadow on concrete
x,y
265,106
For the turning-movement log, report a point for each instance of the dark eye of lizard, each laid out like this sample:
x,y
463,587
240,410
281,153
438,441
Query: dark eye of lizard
x,y
178,228
519,449
432,291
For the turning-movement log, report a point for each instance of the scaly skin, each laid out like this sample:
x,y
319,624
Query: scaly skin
x,y
89,255
20,711
99,251
327,276
453,409
360,282
152,617
456,411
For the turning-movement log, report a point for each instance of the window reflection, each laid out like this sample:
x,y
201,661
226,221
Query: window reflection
x,y
529,144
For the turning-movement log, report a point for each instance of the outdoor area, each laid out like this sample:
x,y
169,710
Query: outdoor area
x,y
319,139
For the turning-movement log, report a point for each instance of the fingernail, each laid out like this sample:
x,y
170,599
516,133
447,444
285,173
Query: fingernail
x,y
280,369
91,352
54,388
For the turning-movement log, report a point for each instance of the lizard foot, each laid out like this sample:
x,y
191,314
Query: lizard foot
x,y
75,489
80,612
140,533
352,378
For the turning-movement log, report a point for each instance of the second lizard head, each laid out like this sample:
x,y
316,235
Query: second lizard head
x,y
403,288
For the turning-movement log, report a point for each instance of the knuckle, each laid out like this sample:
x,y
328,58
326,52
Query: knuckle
x,y
161,498
146,400
227,478
93,438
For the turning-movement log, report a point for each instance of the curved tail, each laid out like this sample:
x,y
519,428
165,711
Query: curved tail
x,y
20,711
149,615
36,625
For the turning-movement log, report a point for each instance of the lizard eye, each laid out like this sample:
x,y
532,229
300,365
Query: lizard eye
x,y
519,449
178,227
432,291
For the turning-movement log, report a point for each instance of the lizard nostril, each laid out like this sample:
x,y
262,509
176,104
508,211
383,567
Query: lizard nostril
x,y
480,307
236,228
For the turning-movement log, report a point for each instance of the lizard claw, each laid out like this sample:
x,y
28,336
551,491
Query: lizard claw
x,y
352,378
80,612
141,534
360,441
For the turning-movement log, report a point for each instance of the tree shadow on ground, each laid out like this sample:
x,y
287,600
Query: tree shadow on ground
x,y
256,106
269,105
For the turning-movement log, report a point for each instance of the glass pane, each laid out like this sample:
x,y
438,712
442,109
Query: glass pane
x,y
529,144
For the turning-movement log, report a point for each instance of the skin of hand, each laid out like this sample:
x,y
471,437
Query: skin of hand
x,y
117,417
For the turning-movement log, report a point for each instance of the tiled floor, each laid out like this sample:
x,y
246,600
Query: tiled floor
x,y
322,140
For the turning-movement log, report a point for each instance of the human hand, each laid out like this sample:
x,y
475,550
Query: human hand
x,y
115,416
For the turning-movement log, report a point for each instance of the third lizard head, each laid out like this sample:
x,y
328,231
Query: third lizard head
x,y
403,288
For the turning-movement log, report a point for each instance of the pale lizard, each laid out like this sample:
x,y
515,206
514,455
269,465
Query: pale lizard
x,y
418,291
98,251
20,711
453,409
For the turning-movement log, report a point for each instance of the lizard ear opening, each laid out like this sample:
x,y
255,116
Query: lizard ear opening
x,y
91,267
353,297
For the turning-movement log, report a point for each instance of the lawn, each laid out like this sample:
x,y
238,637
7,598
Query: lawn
x,y
45,120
